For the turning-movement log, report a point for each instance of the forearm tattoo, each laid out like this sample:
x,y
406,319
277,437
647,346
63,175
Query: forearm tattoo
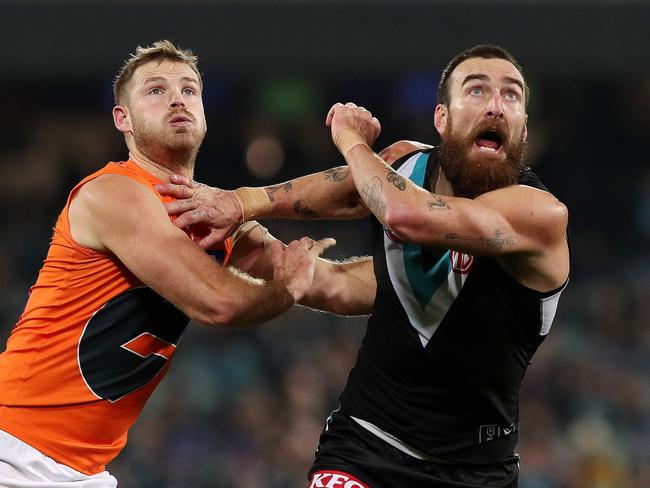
x,y
396,179
270,190
371,194
304,212
438,204
497,242
337,174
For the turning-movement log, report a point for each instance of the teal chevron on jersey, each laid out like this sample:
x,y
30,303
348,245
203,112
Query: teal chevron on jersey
x,y
420,169
425,293
424,283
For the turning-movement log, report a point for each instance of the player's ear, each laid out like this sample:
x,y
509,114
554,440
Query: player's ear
x,y
121,118
440,118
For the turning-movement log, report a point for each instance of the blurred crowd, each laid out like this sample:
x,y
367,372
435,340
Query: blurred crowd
x,y
244,408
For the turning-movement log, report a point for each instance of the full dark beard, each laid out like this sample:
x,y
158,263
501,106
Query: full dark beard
x,y
471,177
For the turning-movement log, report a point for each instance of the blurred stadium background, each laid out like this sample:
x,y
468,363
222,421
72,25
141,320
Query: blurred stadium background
x,y
244,408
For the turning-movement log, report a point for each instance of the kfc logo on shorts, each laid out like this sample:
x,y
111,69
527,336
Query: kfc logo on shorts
x,y
461,263
335,479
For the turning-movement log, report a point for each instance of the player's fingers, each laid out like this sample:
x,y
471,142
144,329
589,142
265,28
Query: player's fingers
x,y
211,239
197,216
350,104
307,243
277,253
293,246
177,191
321,245
179,206
327,242
183,180
330,114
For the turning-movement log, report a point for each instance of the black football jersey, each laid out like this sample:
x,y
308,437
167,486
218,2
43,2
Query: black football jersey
x,y
447,345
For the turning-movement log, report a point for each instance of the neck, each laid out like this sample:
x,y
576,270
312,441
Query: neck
x,y
441,185
164,167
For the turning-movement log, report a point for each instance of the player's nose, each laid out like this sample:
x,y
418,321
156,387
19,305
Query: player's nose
x,y
176,100
494,108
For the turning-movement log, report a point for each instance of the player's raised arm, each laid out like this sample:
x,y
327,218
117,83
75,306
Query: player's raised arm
x,y
513,220
107,215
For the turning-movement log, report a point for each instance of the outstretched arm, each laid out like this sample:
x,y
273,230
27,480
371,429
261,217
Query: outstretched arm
x,y
342,288
117,215
330,194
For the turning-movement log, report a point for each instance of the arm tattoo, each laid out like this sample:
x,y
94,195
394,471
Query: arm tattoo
x,y
497,242
270,190
438,204
371,194
304,212
396,179
337,174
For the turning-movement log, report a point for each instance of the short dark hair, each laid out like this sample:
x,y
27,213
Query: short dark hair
x,y
159,51
486,51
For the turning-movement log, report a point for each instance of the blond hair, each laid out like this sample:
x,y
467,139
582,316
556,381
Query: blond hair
x,y
158,51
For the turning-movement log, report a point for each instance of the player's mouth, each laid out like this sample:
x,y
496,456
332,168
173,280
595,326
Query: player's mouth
x,y
489,141
180,121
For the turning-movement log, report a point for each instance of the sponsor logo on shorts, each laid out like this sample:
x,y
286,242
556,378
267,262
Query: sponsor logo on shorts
x,y
335,479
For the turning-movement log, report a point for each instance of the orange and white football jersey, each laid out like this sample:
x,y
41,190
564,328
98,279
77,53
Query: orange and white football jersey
x,y
88,350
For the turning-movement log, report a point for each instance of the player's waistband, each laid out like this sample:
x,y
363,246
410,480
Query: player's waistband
x,y
397,443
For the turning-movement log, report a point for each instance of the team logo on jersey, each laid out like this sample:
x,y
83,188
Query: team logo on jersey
x,y
335,479
147,344
461,263
128,342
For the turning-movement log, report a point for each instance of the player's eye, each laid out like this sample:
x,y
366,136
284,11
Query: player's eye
x,y
476,91
189,91
155,91
512,96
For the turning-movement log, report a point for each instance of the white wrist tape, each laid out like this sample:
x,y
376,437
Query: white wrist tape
x,y
346,139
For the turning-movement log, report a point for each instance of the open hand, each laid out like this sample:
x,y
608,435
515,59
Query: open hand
x,y
295,263
215,212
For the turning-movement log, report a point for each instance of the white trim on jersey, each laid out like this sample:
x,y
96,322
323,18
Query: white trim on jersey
x,y
393,441
547,310
22,466
424,321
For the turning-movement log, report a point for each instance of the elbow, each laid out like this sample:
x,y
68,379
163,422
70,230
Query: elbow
x,y
216,315
562,214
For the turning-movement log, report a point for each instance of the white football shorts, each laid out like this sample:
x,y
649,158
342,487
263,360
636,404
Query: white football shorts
x,y
22,466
